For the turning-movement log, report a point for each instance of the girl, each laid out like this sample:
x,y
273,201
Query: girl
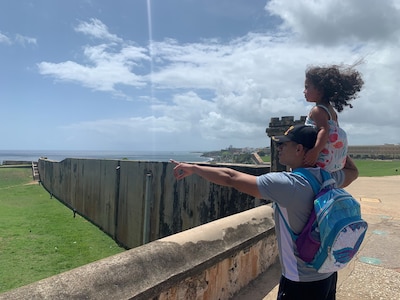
x,y
330,88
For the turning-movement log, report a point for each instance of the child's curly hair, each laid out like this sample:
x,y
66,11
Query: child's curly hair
x,y
339,84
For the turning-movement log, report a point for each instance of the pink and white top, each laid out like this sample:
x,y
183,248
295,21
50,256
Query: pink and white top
x,y
333,156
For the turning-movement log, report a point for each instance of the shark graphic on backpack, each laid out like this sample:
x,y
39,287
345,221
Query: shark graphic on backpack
x,y
335,230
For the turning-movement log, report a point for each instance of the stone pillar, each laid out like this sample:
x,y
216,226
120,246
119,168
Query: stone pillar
x,y
278,127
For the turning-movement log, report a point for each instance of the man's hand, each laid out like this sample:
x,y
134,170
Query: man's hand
x,y
182,170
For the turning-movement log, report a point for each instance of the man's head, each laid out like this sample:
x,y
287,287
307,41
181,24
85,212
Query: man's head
x,y
293,145
300,134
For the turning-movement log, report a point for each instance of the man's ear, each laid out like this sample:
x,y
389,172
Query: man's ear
x,y
300,148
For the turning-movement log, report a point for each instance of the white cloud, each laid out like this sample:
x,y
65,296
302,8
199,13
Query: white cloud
x,y
105,65
19,39
217,94
332,22
97,29
105,69
23,40
5,39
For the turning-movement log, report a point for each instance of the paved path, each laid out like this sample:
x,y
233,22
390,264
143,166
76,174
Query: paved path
x,y
375,273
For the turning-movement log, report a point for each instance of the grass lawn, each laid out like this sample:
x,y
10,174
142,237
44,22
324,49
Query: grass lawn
x,y
39,237
375,168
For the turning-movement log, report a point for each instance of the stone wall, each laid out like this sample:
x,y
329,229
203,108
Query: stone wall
x,y
136,202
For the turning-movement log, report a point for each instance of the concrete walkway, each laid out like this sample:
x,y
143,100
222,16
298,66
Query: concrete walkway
x,y
375,273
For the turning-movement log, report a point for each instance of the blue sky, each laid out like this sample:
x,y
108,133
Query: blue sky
x,y
186,75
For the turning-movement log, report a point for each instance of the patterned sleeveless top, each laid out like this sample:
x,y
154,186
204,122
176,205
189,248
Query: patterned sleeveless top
x,y
333,156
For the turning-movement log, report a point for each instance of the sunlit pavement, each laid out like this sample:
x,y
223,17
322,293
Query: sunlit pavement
x,y
375,273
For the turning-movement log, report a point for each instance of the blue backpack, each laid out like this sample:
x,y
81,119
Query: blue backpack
x,y
335,230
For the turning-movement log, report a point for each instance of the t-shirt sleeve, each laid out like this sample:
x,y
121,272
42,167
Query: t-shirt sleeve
x,y
280,187
339,177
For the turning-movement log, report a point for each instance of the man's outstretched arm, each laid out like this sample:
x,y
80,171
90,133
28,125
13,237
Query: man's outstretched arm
x,y
243,182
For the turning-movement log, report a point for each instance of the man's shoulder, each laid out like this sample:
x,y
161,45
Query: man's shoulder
x,y
284,177
322,175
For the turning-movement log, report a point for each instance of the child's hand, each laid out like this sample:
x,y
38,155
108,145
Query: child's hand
x,y
310,159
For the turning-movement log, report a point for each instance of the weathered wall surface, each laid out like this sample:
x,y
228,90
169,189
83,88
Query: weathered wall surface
x,y
86,186
113,195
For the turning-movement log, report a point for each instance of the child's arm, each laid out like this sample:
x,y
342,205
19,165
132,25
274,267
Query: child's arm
x,y
321,118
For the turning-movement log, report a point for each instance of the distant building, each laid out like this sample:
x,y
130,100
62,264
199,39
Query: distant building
x,y
278,126
387,151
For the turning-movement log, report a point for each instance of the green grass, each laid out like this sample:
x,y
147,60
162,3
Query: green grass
x,y
39,237
375,168
266,158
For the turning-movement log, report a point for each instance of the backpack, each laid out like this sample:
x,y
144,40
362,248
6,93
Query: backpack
x,y
335,230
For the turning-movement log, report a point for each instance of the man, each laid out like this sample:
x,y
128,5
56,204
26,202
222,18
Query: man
x,y
294,196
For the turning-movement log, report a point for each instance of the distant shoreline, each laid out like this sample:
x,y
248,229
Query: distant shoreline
x,y
26,155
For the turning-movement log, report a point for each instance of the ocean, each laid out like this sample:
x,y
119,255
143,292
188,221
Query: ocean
x,y
57,155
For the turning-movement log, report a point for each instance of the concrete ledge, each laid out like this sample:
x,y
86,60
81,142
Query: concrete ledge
x,y
212,261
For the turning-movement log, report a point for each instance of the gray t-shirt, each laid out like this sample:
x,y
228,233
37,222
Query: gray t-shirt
x,y
295,196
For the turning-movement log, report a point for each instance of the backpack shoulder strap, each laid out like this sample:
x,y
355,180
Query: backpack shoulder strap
x,y
316,188
327,179
293,235
310,178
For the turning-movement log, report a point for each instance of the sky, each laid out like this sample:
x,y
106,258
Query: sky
x,y
186,75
